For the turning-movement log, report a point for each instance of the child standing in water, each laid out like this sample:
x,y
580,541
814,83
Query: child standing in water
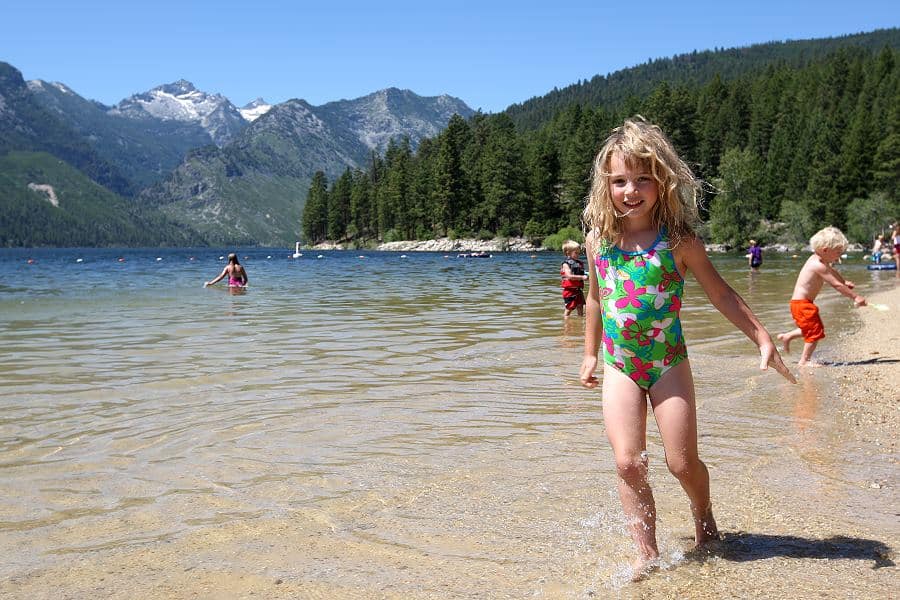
x,y
827,245
237,274
641,243
754,255
573,278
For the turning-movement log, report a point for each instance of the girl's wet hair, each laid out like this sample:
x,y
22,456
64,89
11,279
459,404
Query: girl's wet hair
x,y
644,145
232,258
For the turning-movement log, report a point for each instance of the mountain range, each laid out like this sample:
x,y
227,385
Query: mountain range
x,y
222,174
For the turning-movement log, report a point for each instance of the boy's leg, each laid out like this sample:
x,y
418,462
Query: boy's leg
x,y
625,419
789,336
806,355
675,410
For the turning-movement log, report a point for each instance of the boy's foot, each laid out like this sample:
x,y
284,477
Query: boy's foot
x,y
785,342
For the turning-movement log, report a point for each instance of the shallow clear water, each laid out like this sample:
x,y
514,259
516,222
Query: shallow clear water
x,y
413,425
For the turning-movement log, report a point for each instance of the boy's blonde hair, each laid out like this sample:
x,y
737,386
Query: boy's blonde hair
x,y
644,145
571,246
827,239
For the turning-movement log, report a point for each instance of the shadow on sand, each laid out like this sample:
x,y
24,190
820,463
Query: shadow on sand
x,y
743,547
854,363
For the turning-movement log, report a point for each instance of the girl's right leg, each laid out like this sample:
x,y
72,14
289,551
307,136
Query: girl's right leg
x,y
625,418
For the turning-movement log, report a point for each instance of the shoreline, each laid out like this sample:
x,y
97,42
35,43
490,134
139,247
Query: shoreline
x,y
521,244
499,244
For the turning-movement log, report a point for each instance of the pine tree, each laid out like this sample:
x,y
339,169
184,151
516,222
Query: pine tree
x,y
315,212
450,184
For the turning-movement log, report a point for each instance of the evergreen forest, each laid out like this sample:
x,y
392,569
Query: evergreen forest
x,y
784,149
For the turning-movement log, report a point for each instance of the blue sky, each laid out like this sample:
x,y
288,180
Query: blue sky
x,y
489,53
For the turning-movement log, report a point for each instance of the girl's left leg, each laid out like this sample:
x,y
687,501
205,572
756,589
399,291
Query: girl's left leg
x,y
674,407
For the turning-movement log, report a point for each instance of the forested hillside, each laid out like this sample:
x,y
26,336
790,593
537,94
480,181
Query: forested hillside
x,y
803,146
693,69
44,201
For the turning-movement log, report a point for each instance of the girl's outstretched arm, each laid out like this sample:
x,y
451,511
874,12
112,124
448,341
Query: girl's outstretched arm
x,y
217,279
691,256
592,320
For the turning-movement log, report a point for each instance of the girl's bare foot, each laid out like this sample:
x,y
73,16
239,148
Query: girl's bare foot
x,y
809,363
642,567
705,529
785,342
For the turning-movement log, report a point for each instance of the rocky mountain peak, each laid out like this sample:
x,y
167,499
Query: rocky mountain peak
x,y
182,101
177,88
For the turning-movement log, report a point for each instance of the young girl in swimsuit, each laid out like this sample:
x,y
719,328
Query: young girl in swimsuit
x,y
237,274
641,244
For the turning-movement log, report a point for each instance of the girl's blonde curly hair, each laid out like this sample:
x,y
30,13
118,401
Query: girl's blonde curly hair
x,y
643,144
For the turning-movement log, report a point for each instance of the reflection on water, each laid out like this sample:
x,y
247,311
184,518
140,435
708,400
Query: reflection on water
x,y
403,425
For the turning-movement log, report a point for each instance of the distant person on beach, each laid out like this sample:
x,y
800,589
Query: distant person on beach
x,y
895,238
641,243
827,245
754,256
236,273
573,278
877,248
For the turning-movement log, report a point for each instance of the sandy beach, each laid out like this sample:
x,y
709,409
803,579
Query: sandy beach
x,y
871,392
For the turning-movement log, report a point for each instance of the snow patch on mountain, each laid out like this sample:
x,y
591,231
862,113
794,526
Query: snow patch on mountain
x,y
254,110
37,85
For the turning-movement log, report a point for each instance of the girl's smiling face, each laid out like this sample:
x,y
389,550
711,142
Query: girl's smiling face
x,y
634,190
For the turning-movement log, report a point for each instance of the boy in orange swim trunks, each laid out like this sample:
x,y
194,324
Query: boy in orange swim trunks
x,y
827,246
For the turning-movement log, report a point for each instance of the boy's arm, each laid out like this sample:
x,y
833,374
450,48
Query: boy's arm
x,y
567,274
835,280
731,305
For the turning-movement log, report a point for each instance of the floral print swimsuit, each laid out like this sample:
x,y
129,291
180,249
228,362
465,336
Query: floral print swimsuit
x,y
640,299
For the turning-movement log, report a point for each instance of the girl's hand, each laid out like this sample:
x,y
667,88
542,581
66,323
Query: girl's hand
x,y
588,366
771,358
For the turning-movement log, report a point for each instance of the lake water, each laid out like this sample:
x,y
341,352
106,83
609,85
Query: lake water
x,y
369,424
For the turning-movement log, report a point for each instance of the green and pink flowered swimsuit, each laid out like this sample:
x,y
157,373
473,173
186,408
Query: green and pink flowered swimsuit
x,y
640,296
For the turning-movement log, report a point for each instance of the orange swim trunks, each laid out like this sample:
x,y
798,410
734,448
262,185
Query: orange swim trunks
x,y
806,316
